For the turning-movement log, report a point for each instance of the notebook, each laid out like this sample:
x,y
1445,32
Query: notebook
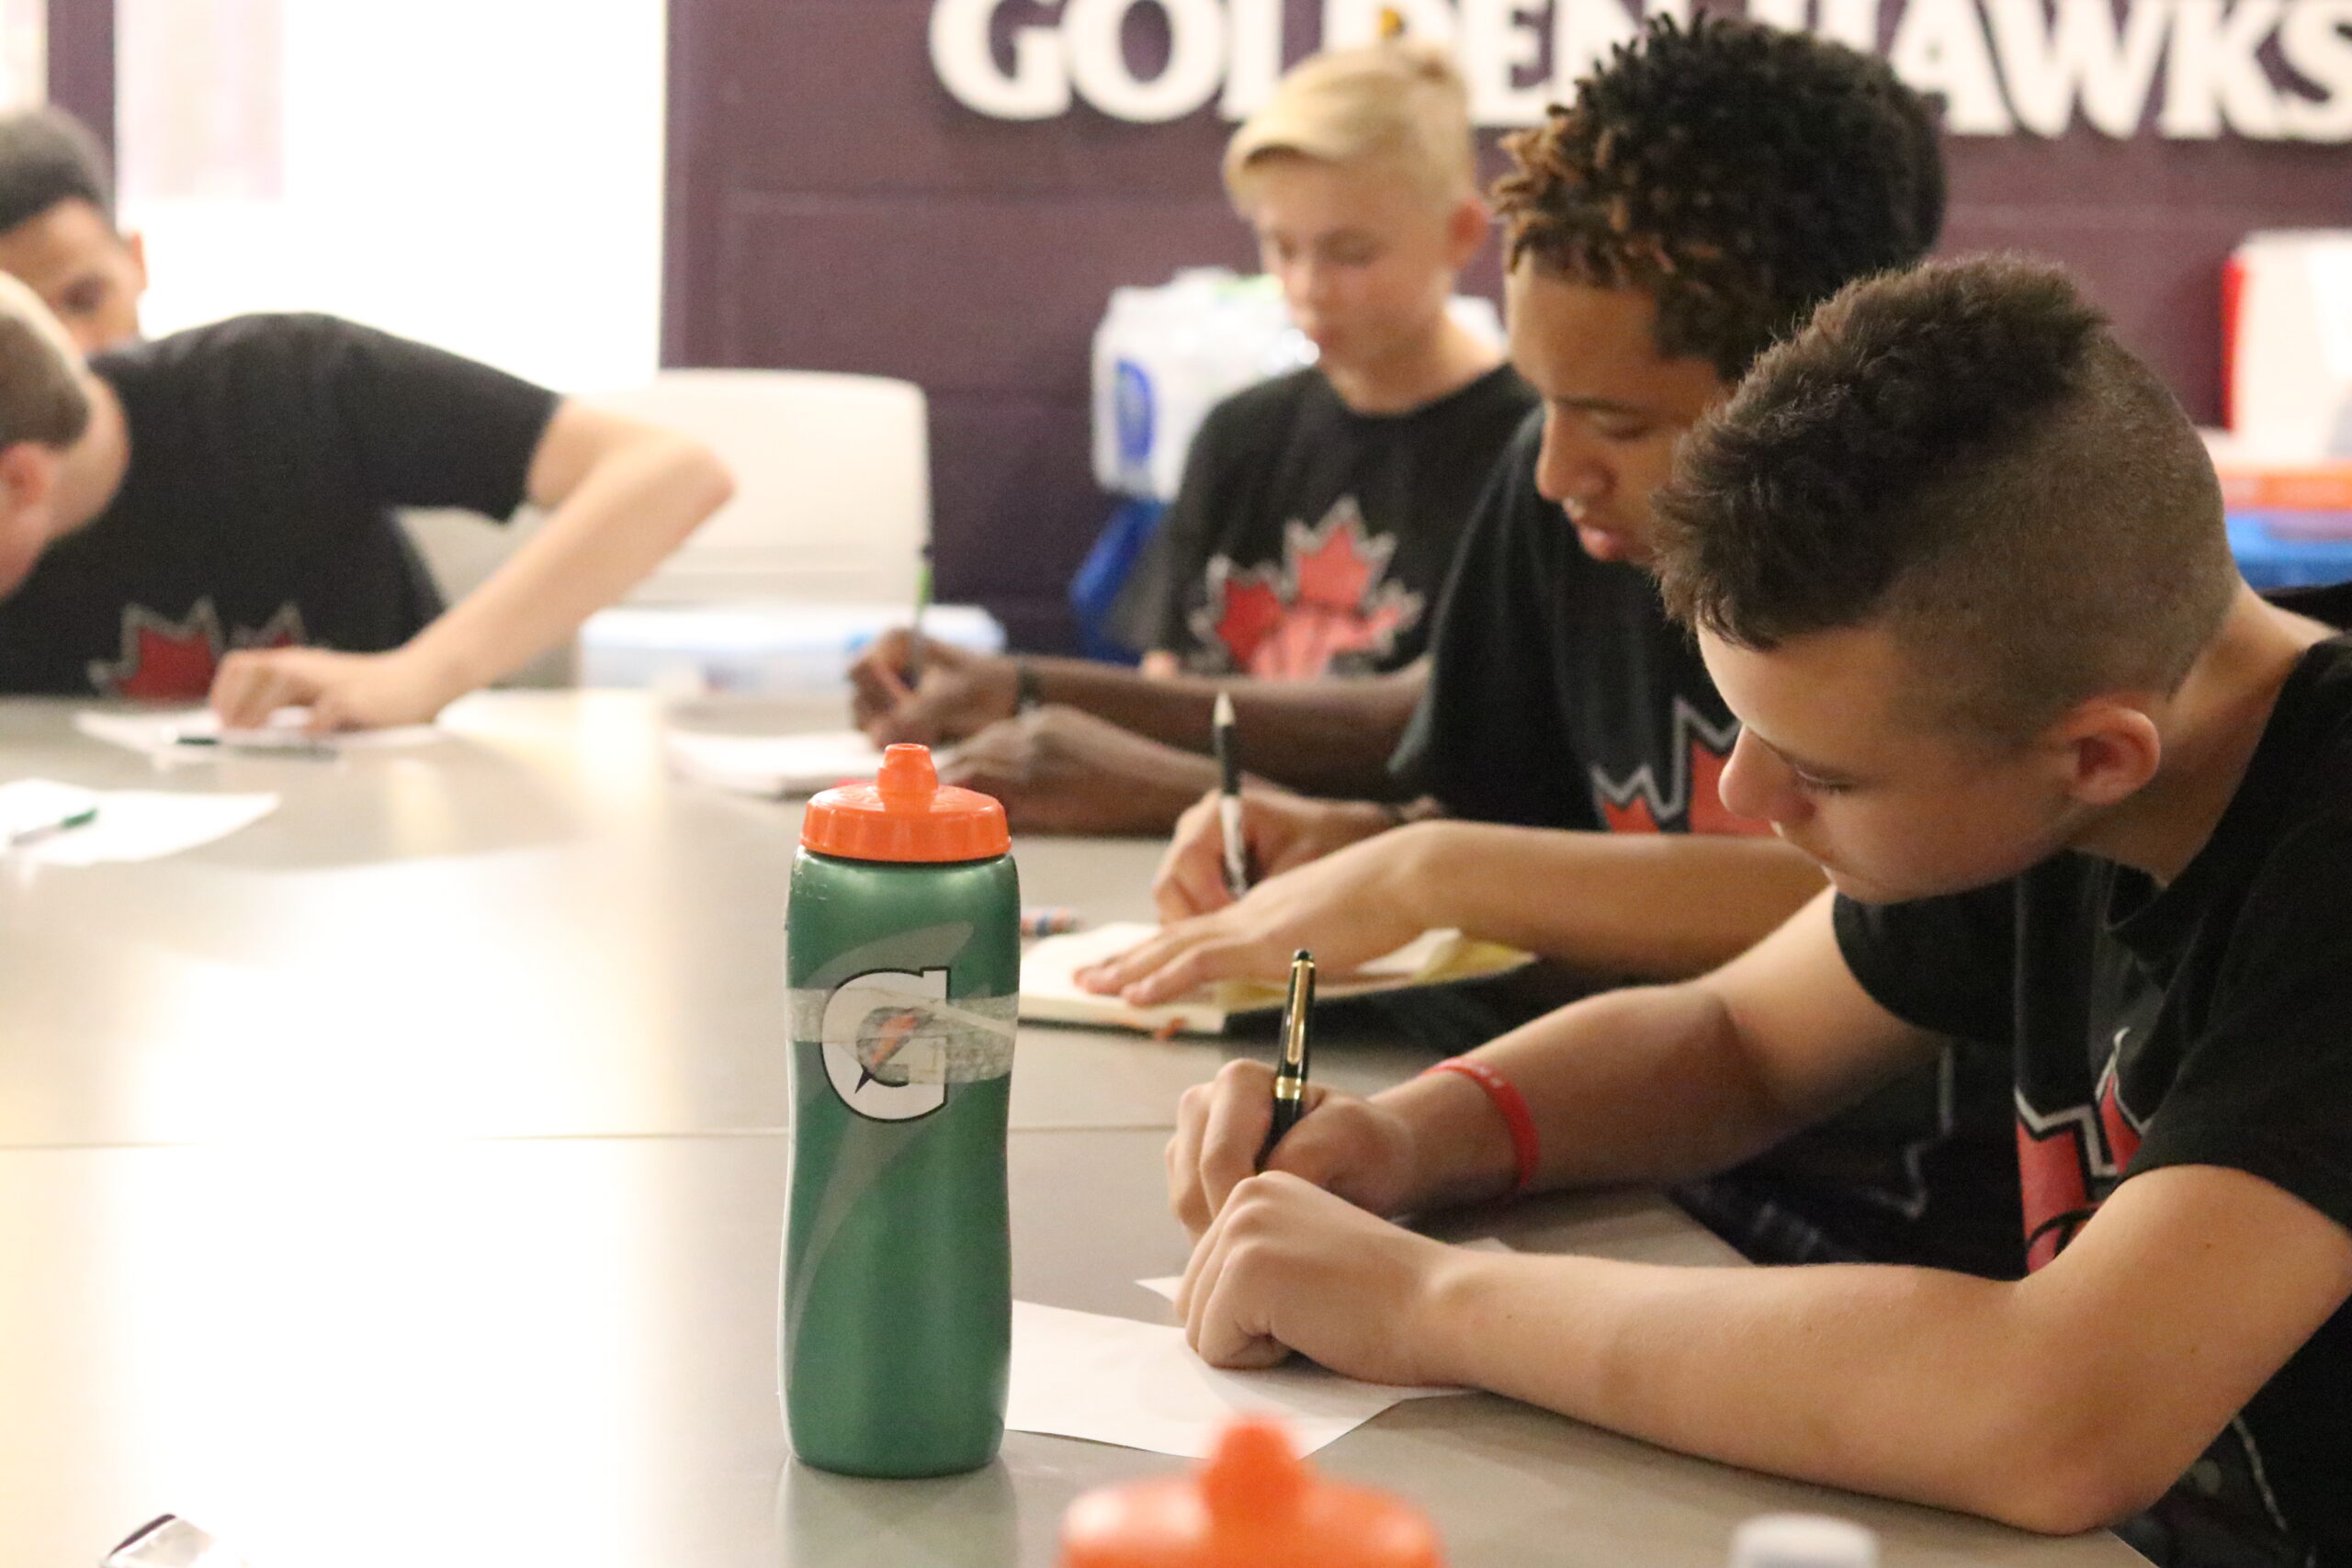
x,y
1050,993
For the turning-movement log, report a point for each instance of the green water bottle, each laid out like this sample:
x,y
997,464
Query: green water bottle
x,y
903,956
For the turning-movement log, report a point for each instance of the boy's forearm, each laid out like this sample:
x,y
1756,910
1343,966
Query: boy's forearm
x,y
1907,1382
1647,905
1639,1085
1324,737
620,521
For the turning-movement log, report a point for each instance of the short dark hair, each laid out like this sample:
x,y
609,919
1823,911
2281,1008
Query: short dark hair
x,y
1737,173
1964,455
47,156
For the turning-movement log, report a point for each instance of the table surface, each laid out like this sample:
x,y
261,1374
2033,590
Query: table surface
x,y
399,1181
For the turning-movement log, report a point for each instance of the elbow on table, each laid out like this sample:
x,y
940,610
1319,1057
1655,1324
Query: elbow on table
x,y
2070,1473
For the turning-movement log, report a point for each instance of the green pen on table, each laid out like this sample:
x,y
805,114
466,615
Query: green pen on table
x,y
21,837
1290,1077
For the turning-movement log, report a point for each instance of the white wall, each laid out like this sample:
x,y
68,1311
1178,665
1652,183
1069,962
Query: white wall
x,y
483,175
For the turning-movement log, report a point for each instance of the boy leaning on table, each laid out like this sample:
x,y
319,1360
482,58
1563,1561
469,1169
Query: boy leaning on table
x,y
211,513
1956,559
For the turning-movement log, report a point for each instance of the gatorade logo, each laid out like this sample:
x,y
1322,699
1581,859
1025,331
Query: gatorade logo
x,y
873,1032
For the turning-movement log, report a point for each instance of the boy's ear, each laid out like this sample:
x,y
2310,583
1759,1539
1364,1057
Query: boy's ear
x,y
2109,747
1466,228
134,246
28,481
27,477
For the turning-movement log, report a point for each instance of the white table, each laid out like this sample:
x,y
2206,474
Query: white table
x,y
399,1181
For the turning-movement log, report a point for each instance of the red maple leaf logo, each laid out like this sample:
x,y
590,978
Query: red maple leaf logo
x,y
1327,599
167,661
1644,804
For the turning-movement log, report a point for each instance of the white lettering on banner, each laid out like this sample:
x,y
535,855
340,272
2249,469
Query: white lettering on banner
x,y
1940,48
1853,23
2318,48
1038,86
1098,58
2211,74
1499,42
2263,68
2077,55
1256,30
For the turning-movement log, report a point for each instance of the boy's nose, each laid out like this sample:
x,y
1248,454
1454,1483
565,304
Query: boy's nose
x,y
1565,472
1757,785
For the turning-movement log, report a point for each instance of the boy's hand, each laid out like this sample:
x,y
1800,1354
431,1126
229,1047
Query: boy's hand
x,y
961,693
1347,908
1281,829
1289,1267
1362,1152
343,690
1059,769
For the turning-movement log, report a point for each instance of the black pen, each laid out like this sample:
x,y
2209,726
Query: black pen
x,y
1228,796
1290,1077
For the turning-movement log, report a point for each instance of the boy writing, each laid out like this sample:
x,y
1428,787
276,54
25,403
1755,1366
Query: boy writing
x,y
1319,511
1956,559
211,513
1569,734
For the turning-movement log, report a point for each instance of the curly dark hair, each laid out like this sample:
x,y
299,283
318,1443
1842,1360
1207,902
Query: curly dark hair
x,y
46,157
1964,455
1737,173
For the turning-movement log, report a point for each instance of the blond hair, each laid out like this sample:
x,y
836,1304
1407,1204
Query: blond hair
x,y
1398,103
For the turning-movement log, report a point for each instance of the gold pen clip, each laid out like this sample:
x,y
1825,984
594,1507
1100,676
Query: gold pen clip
x,y
1290,1079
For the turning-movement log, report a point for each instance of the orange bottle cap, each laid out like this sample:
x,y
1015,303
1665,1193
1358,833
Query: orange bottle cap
x,y
1255,1503
905,815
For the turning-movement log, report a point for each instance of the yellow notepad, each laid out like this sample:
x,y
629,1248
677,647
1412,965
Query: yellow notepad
x,y
1050,993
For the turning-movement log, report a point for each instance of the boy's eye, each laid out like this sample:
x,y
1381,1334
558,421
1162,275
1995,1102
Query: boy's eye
x,y
82,299
1352,254
1620,429
1813,786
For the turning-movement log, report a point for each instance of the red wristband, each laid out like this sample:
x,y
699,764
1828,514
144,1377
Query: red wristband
x,y
1524,1141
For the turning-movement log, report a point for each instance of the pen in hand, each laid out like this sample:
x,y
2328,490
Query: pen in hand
x,y
1290,1077
1228,796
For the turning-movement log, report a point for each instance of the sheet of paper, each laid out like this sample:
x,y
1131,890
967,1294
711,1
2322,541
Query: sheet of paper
x,y
1164,1285
1050,992
158,731
772,765
145,824
1138,1386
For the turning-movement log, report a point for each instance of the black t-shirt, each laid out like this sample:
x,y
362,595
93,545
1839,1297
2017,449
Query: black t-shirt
x,y
267,453
1307,540
2207,1022
1560,695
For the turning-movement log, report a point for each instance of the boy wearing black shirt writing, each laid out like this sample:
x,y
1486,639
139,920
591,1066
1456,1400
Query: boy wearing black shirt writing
x,y
1956,560
211,514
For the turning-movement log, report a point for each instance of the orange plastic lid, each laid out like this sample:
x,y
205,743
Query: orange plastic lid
x,y
905,815
1255,1503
